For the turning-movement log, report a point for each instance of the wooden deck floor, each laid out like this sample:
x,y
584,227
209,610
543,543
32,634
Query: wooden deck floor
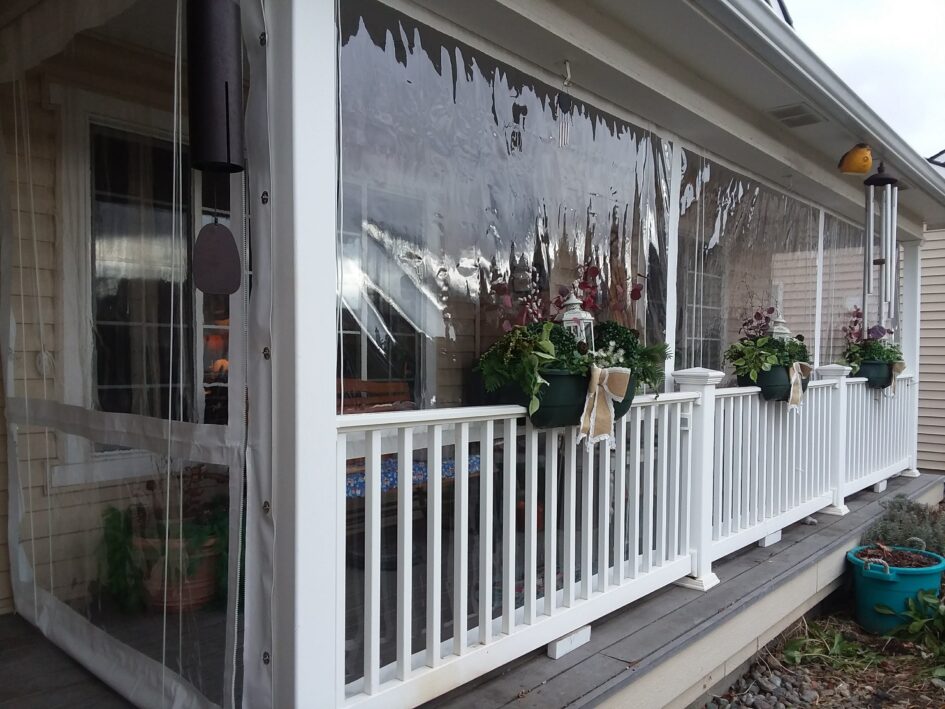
x,y
35,673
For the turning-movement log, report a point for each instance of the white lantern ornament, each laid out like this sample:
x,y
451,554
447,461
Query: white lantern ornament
x,y
578,321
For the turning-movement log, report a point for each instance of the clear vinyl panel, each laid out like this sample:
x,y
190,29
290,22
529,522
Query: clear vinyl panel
x,y
474,197
125,442
138,546
742,245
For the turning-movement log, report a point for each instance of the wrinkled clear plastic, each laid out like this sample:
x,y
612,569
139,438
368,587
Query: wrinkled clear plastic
x,y
474,196
742,246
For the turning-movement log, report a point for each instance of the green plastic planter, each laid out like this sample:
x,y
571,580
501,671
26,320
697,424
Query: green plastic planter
x,y
775,384
561,400
878,374
878,584
622,407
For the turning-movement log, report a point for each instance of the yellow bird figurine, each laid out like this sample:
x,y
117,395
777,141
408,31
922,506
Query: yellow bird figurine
x,y
858,160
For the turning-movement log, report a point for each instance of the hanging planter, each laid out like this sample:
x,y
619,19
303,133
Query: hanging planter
x,y
878,374
540,367
775,384
887,577
623,406
619,346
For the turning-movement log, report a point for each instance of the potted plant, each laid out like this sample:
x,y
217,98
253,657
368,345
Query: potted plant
x,y
619,346
761,359
542,367
870,354
887,578
142,548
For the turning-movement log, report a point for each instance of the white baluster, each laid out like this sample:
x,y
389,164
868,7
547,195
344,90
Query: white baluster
x,y
404,551
569,552
486,510
434,542
461,534
372,562
551,518
510,444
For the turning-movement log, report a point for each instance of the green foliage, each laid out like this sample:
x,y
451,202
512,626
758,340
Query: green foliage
x,y
904,519
568,355
124,564
828,646
753,355
519,357
871,349
923,624
133,543
619,346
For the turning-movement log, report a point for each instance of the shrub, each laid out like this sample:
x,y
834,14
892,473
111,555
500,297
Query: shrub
x,y
903,519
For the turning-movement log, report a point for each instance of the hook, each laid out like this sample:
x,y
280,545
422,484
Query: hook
x,y
567,73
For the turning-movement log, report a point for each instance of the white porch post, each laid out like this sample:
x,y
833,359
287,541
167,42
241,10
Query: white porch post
x,y
307,659
837,434
910,331
702,429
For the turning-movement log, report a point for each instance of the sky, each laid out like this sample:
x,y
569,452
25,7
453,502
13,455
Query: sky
x,y
891,52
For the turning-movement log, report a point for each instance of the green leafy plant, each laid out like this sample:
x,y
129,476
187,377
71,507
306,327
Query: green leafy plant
x,y
619,346
758,351
134,540
522,354
828,646
923,624
867,345
904,520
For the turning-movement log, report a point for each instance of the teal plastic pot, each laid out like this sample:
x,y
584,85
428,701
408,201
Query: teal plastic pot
x,y
622,407
878,374
876,584
561,400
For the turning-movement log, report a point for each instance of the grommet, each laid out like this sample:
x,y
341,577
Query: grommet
x,y
262,38
267,353
265,658
266,507
265,197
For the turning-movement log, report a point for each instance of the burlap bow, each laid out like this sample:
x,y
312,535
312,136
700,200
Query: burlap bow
x,y
897,369
798,372
604,388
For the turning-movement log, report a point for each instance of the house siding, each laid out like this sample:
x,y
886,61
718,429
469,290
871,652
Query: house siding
x,y
932,354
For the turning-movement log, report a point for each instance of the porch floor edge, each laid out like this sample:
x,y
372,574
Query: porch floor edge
x,y
674,633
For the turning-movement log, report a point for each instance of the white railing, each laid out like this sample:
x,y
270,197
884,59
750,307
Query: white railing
x,y
770,465
880,437
472,538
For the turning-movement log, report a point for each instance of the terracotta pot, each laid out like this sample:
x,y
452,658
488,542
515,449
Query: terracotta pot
x,y
192,592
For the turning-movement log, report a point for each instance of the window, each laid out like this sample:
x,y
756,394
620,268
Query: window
x,y
140,279
141,284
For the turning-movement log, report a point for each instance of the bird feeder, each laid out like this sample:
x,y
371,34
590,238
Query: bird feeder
x,y
578,321
881,188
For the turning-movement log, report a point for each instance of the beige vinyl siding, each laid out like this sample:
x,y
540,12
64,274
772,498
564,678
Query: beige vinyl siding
x,y
932,354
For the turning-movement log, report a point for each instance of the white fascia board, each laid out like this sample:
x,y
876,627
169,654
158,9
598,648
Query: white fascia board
x,y
753,23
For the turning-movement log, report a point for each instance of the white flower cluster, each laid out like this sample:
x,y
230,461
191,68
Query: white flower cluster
x,y
609,356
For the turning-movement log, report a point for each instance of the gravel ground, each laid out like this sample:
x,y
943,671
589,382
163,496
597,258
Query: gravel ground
x,y
858,671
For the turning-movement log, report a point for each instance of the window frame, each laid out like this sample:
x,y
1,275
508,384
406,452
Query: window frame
x,y
80,110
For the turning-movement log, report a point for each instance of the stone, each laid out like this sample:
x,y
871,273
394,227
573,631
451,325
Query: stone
x,y
775,679
810,696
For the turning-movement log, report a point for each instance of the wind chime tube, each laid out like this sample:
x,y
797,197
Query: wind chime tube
x,y
892,262
883,240
868,248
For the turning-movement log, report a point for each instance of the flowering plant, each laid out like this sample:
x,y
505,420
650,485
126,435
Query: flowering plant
x,y
622,348
867,345
758,350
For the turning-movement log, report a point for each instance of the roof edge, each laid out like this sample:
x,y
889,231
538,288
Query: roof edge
x,y
756,26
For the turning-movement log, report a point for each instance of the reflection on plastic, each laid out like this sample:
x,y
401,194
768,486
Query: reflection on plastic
x,y
465,210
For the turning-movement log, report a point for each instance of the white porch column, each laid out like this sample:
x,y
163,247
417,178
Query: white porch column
x,y
837,435
702,430
910,333
307,661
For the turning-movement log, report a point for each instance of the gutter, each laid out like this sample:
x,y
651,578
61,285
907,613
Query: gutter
x,y
754,25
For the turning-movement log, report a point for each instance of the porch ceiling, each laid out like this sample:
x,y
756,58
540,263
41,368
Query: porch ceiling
x,y
712,79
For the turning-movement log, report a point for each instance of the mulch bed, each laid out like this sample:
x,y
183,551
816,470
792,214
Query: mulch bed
x,y
897,557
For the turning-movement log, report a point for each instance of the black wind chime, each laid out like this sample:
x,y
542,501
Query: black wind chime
x,y
215,92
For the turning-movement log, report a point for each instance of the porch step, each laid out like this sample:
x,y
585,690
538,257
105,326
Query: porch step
x,y
673,646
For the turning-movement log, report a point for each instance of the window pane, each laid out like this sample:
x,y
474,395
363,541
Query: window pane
x,y
140,276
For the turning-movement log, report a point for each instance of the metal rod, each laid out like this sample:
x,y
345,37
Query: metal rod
x,y
883,249
893,252
870,229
